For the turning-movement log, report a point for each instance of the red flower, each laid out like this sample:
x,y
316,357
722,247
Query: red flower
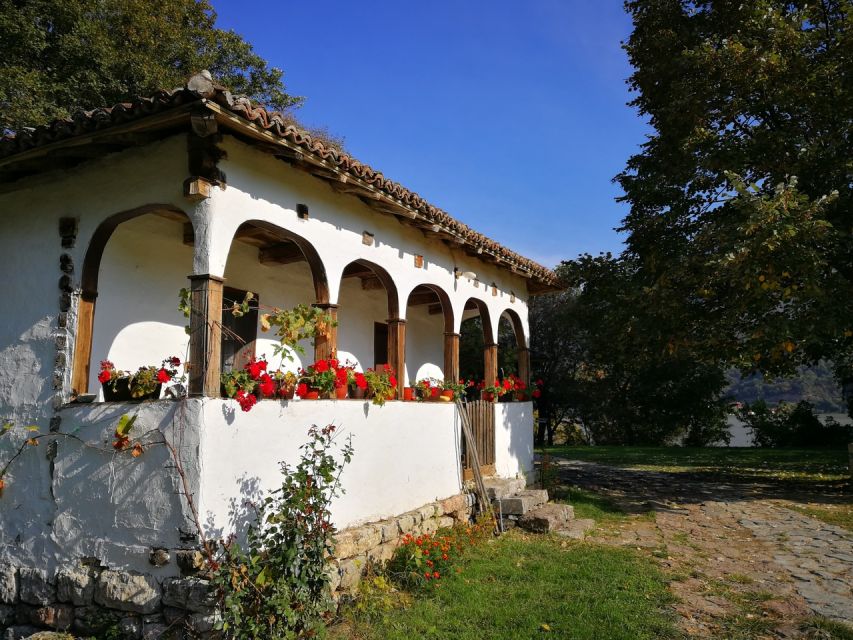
x,y
342,377
104,376
267,386
507,384
539,382
163,376
436,575
302,389
387,368
392,381
536,393
175,361
360,381
255,368
321,366
246,400
333,363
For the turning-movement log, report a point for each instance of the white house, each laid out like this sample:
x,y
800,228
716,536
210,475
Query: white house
x,y
107,216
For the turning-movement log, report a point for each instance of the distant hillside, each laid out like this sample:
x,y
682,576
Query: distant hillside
x,y
816,384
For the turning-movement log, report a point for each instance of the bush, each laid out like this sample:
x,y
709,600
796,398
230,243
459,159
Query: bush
x,y
278,586
792,425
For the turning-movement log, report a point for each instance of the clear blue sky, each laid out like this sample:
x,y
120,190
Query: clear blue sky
x,y
508,114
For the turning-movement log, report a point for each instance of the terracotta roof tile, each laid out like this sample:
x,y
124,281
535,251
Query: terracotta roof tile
x,y
197,89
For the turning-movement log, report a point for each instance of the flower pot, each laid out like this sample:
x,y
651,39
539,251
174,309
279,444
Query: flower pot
x,y
408,394
434,394
447,393
312,395
520,396
488,396
356,392
286,393
340,393
119,391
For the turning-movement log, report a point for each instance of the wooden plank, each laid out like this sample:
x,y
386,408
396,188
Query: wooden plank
x,y
281,253
205,335
83,344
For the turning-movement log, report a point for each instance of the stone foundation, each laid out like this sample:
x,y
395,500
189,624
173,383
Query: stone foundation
x,y
375,542
88,599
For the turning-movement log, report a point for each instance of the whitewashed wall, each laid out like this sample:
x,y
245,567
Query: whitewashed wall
x,y
514,439
406,455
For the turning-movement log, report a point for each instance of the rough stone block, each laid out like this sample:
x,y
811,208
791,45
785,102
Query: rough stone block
x,y
406,523
429,526
366,538
345,545
334,573
547,518
438,508
351,572
19,632
426,512
154,631
193,594
124,591
75,585
203,622
130,627
189,560
92,621
8,584
390,531
454,503
35,587
539,496
516,506
159,558
463,516
445,522
383,553
7,615
55,616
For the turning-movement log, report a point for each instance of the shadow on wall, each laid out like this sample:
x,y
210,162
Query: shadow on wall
x,y
242,511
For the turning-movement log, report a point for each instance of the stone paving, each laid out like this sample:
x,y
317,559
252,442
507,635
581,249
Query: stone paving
x,y
728,540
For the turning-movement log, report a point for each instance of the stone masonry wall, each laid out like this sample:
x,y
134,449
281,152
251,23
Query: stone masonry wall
x,y
91,600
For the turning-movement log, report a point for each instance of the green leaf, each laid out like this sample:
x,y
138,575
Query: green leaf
x,y
125,424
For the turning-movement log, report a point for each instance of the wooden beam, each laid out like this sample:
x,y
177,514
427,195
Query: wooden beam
x,y
372,283
326,346
357,271
83,344
427,297
451,356
205,335
282,253
435,309
490,363
397,351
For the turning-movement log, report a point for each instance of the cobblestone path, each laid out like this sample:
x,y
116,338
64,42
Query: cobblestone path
x,y
733,549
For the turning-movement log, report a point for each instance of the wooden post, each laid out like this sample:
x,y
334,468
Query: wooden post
x,y
83,343
490,363
327,346
451,356
397,351
524,364
205,335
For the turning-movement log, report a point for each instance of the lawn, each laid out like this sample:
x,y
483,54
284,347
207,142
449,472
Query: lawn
x,y
731,463
522,586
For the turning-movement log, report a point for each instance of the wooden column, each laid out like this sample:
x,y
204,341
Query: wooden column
x,y
490,363
451,356
83,343
397,351
524,364
205,335
327,346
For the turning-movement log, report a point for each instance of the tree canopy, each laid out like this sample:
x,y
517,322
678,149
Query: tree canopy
x,y
740,200
61,56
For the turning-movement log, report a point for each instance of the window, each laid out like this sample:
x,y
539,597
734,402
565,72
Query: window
x,y
238,334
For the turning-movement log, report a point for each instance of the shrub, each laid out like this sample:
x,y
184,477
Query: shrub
x,y
790,425
277,587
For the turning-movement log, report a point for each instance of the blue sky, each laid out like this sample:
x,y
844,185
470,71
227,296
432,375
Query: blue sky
x,y
510,115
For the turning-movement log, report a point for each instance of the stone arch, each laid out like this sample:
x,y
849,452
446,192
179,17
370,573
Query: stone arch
x,y
89,285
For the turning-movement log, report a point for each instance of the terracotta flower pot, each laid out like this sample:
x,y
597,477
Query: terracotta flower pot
x,y
447,393
356,392
434,394
313,394
340,393
286,393
408,394
488,396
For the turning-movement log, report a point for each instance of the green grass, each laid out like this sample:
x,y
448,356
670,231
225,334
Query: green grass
x,y
520,587
828,629
841,515
733,463
589,505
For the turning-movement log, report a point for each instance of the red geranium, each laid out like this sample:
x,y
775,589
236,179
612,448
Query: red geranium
x,y
302,390
256,367
163,376
392,380
342,375
537,393
321,366
104,376
266,385
360,381
246,400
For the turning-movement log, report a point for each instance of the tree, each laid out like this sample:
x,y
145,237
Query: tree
x,y
61,56
606,357
740,219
